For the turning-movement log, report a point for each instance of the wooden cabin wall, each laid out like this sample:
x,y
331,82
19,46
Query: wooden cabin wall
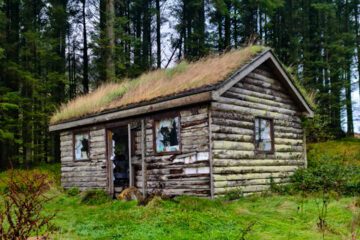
x,y
235,163
85,174
186,173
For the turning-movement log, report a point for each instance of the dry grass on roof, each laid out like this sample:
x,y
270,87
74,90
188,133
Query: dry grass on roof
x,y
156,84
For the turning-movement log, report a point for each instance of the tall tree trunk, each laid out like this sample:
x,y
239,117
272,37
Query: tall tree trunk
x,y
110,36
349,43
357,37
102,29
146,41
220,32
227,26
85,80
158,34
349,111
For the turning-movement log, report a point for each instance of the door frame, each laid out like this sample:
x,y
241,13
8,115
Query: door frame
x,y
110,172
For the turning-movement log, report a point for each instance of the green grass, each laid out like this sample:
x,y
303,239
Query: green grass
x,y
346,151
275,217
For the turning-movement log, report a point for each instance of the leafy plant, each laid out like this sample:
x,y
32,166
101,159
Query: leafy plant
x,y
73,191
23,202
234,194
325,177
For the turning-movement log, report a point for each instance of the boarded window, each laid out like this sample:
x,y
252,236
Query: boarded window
x,y
81,146
167,135
264,135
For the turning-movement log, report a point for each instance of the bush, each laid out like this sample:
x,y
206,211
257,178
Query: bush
x,y
95,197
318,129
234,194
22,205
326,177
73,191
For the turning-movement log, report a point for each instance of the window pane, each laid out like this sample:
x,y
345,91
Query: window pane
x,y
167,135
81,146
263,134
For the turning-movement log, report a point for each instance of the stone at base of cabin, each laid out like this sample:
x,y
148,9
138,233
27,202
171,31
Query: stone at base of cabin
x,y
129,194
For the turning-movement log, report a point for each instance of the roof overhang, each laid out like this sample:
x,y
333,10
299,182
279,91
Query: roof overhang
x,y
135,111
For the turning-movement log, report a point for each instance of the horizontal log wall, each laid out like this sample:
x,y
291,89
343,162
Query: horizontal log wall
x,y
186,173
84,174
235,162
183,173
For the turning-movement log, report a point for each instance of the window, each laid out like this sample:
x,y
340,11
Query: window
x,y
167,135
264,135
81,146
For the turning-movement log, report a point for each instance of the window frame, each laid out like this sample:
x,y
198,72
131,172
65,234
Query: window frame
x,y
272,150
162,117
77,132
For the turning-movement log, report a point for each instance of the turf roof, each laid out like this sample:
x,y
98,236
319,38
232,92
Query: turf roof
x,y
157,84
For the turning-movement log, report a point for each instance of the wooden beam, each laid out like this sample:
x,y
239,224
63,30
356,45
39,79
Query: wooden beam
x,y
109,162
305,150
210,156
169,104
131,171
143,172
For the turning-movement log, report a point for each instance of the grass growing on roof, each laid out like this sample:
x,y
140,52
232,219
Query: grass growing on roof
x,y
156,84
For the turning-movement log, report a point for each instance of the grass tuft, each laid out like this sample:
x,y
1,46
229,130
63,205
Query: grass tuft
x,y
95,197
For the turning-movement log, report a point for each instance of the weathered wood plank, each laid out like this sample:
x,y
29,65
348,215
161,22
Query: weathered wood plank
x,y
256,162
254,169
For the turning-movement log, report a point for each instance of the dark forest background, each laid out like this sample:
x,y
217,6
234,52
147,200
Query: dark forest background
x,y
54,50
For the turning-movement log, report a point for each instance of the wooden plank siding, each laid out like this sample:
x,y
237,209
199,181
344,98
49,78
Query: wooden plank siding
x,y
186,173
235,161
84,174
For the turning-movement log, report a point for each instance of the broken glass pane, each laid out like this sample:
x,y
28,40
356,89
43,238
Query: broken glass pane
x,y
82,146
167,135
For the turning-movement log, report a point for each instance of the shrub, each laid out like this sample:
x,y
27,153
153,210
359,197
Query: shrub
x,y
74,191
233,194
95,197
23,202
342,179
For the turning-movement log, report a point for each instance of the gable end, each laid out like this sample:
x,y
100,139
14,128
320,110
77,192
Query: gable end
x,y
269,58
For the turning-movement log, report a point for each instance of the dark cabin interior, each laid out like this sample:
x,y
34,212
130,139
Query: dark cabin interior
x,y
120,158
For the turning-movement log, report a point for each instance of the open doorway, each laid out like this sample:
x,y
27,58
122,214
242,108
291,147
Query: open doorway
x,y
119,159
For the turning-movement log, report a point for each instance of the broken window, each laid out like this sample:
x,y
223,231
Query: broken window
x,y
167,135
264,135
82,146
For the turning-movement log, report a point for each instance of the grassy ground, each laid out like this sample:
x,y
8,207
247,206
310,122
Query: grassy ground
x,y
346,151
268,217
274,217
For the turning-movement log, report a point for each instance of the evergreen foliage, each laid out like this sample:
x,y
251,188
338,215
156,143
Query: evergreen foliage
x,y
54,50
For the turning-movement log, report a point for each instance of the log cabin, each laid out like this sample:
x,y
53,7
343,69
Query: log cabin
x,y
223,123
